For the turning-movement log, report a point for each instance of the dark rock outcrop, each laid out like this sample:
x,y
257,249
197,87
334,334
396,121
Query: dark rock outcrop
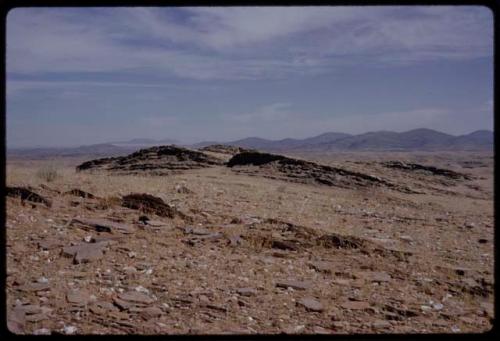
x,y
26,195
225,149
79,193
150,204
279,166
426,169
155,161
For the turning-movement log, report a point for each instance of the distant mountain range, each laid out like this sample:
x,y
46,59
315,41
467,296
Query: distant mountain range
x,y
413,140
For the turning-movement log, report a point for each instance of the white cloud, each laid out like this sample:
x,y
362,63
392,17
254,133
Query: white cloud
x,y
241,43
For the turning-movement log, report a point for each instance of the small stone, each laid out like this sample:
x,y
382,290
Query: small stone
x,y
102,225
87,239
246,291
156,223
78,297
437,306
151,312
42,331
140,288
297,285
322,266
136,297
321,330
49,244
34,287
470,225
488,308
310,304
36,317
455,329
42,280
69,330
355,305
129,269
84,253
216,307
379,324
132,254
405,238
378,276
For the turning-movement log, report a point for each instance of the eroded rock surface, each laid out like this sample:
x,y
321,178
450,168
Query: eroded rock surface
x,y
279,166
161,160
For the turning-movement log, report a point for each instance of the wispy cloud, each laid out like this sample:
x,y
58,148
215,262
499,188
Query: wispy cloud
x,y
240,43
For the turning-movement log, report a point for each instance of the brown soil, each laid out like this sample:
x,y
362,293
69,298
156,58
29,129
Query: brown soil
x,y
239,252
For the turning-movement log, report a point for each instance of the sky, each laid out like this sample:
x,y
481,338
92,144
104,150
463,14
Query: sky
x,y
79,76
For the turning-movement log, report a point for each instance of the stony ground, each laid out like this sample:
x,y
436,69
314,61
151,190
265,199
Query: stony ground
x,y
252,253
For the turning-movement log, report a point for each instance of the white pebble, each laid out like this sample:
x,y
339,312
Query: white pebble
x,y
437,306
43,280
140,288
43,331
69,330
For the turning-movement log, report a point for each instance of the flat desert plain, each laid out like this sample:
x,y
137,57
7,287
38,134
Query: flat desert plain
x,y
366,243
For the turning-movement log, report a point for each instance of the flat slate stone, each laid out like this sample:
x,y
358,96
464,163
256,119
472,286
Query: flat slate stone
x,y
34,287
297,285
355,305
123,305
103,225
49,244
310,304
322,266
136,297
29,309
156,223
246,291
86,252
151,312
36,317
78,297
377,276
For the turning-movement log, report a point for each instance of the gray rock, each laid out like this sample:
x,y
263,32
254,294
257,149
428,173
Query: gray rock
x,y
50,244
246,291
136,297
470,225
156,223
102,225
310,304
297,285
36,317
34,287
355,305
322,266
151,312
86,252
78,297
42,331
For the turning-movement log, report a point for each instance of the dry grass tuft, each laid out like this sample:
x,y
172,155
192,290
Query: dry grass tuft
x,y
47,173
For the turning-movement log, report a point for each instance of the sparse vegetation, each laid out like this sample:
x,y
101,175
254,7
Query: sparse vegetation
x,y
47,173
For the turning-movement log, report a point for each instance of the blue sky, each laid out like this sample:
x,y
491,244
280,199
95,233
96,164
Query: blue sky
x,y
80,76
